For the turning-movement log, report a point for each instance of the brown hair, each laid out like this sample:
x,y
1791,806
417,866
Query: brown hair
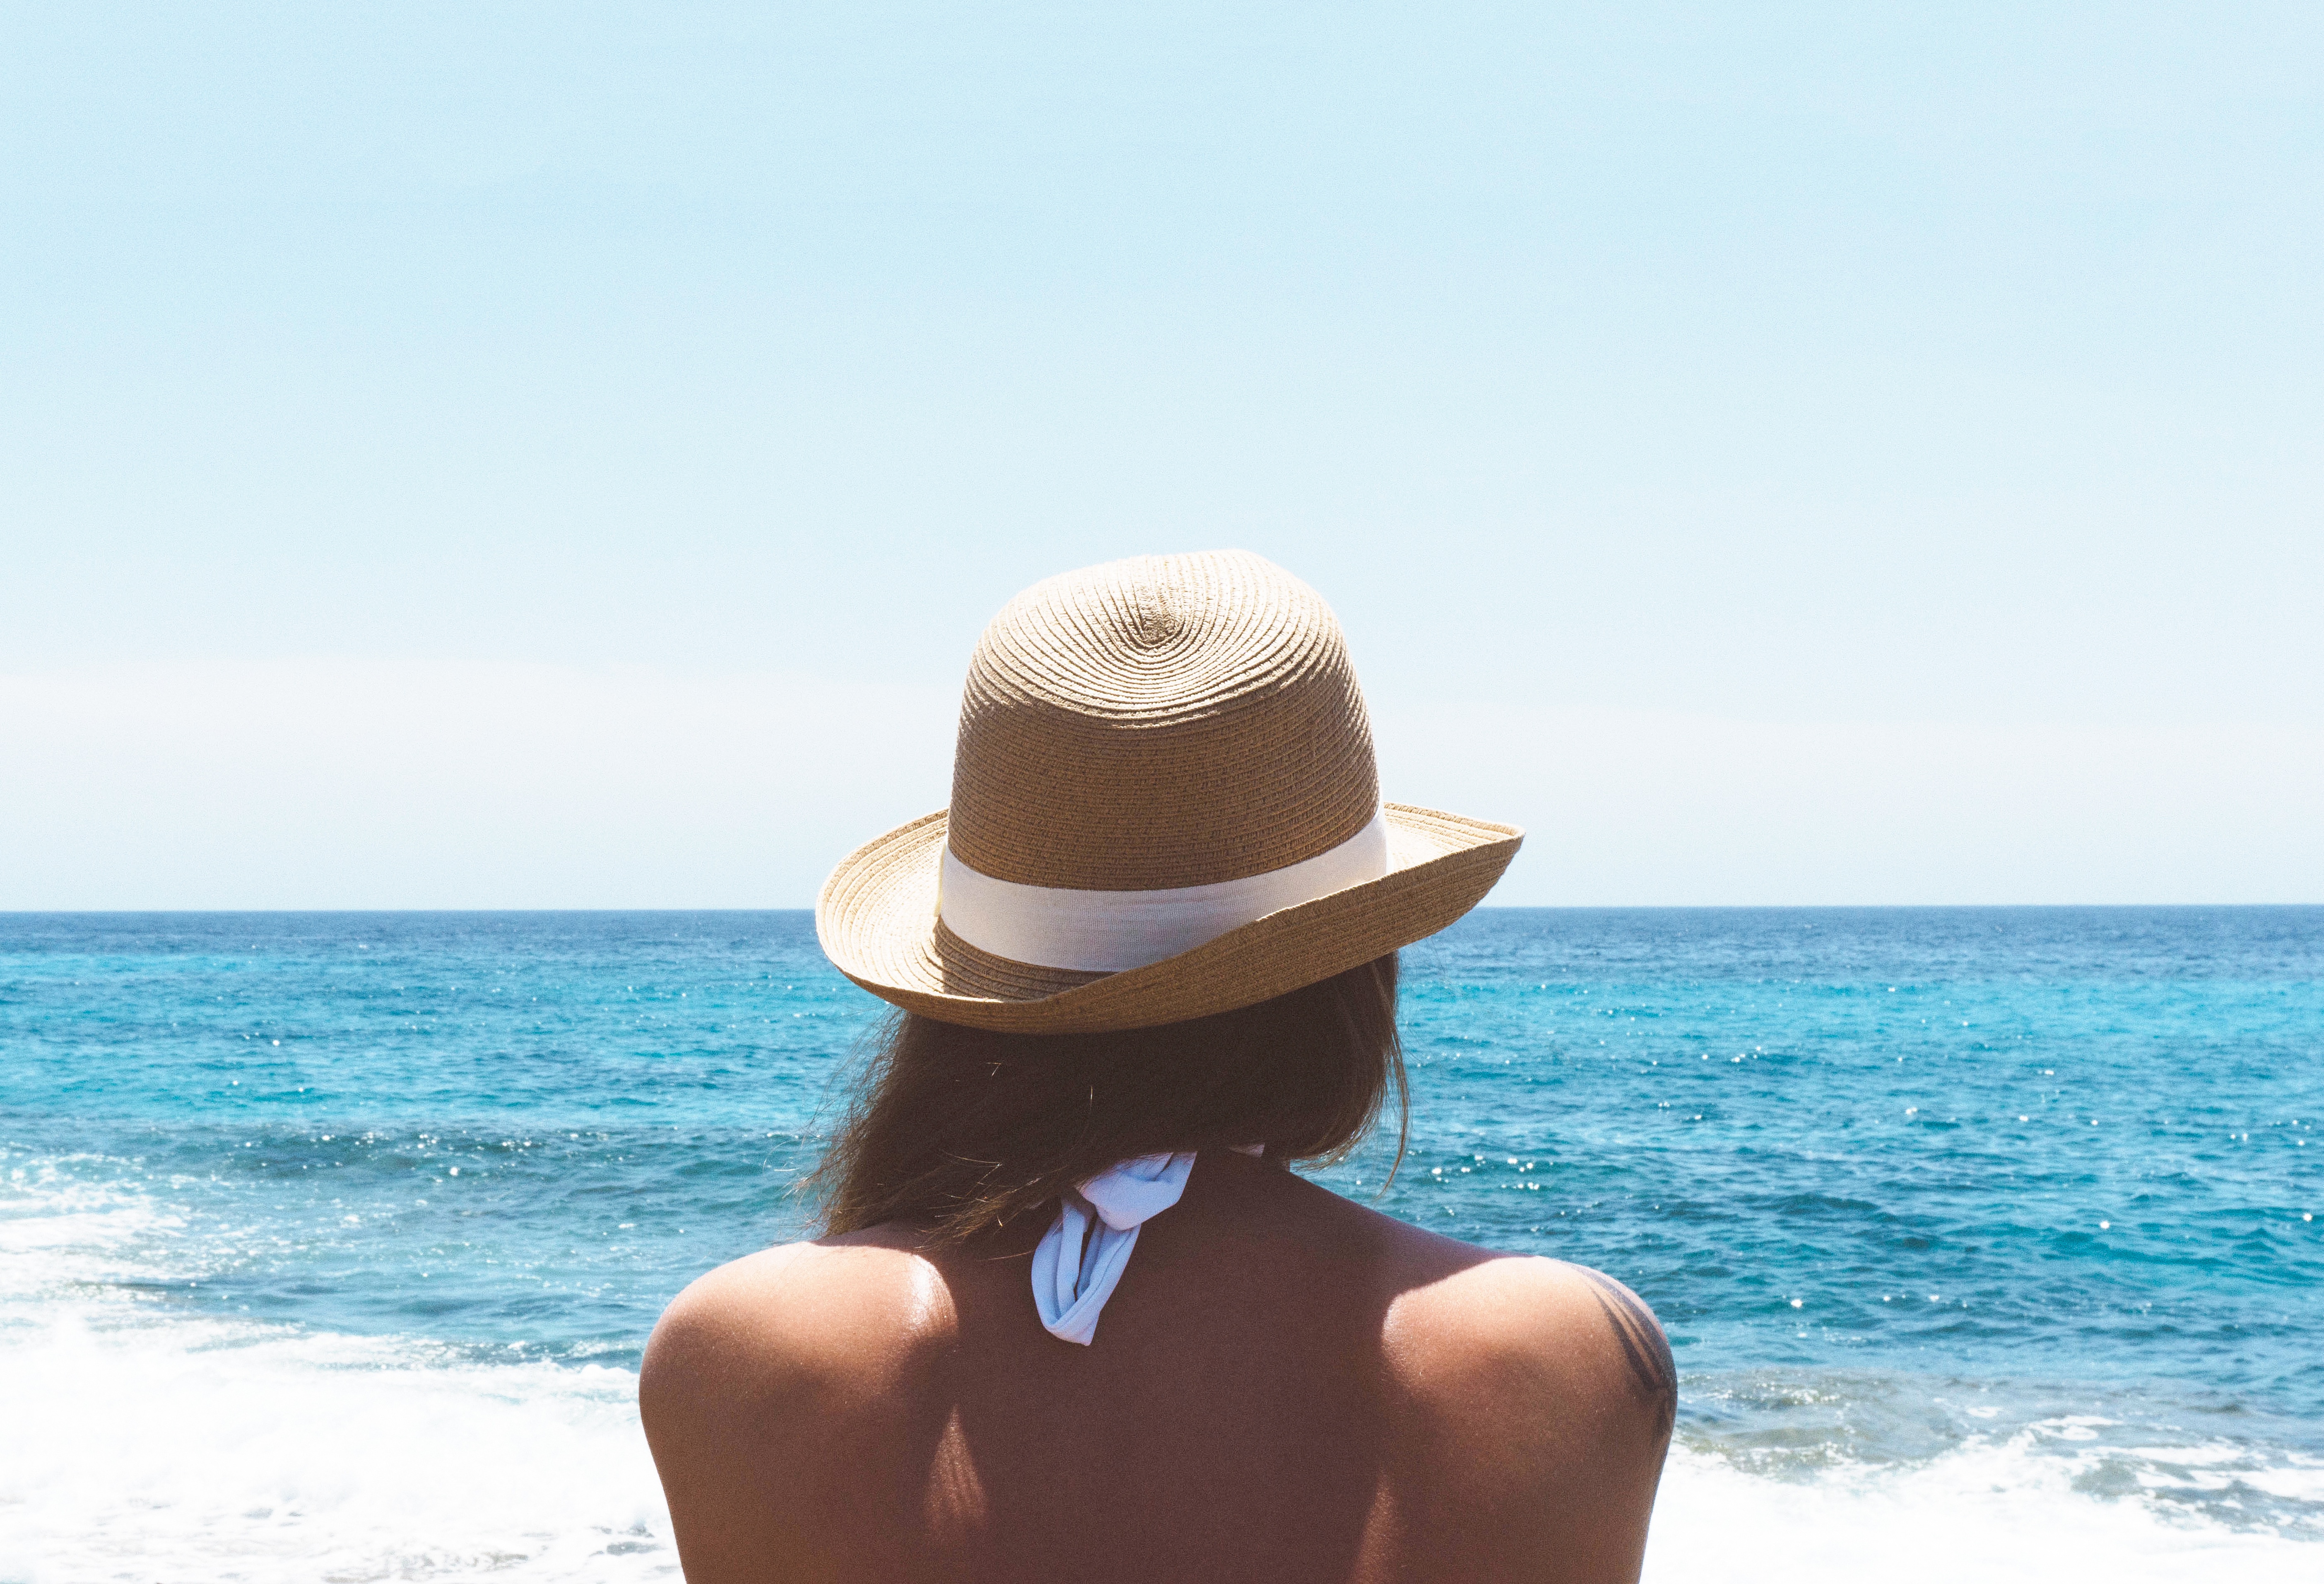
x,y
964,1129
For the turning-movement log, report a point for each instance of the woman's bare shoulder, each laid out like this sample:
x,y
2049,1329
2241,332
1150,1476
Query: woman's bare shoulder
x,y
826,1320
1542,1394
765,1376
1560,1327
1454,1311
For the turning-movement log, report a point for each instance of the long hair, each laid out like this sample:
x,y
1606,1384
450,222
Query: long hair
x,y
962,1130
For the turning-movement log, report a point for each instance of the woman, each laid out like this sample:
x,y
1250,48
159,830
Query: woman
x,y
1146,960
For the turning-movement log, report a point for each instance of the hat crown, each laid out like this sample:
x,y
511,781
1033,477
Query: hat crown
x,y
1160,722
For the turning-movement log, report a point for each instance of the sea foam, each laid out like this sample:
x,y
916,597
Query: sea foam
x,y
2014,1510
141,1438
217,1451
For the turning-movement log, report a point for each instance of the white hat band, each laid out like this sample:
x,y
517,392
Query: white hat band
x,y
1108,931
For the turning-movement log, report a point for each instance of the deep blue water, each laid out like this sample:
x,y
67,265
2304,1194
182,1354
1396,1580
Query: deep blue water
x,y
1896,1181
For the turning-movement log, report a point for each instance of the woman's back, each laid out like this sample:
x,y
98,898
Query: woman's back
x,y
1285,1386
1157,925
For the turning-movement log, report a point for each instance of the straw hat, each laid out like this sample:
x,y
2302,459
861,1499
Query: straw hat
x,y
1164,805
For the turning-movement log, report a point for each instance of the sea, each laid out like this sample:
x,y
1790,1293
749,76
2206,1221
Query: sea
x,y
1987,1240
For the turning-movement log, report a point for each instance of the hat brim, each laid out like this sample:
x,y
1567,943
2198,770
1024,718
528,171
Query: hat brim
x,y
877,921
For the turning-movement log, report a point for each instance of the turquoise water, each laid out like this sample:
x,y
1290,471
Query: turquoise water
x,y
1998,1225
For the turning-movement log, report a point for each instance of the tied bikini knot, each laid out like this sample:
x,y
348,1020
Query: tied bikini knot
x,y
1080,1259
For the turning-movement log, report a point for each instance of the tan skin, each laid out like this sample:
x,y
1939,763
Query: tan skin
x,y
1286,1387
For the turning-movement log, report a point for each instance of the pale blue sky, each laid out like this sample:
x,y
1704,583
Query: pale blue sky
x,y
491,455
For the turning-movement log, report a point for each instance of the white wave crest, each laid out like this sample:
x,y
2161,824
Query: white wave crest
x,y
226,1453
2014,1510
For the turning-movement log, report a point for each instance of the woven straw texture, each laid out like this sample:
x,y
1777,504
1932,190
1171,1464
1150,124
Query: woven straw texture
x,y
1147,725
1167,721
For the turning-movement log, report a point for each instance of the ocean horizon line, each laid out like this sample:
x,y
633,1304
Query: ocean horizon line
x,y
1650,907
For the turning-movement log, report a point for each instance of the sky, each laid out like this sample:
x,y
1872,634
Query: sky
x,y
561,456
